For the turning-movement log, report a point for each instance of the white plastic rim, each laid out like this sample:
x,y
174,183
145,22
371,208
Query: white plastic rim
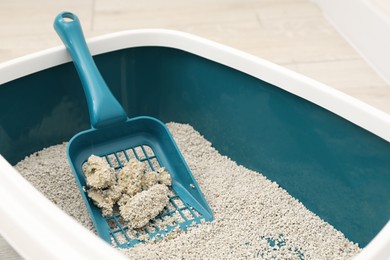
x,y
355,111
37,229
367,117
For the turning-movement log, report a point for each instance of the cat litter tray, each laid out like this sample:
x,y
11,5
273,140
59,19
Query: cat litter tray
x,y
328,150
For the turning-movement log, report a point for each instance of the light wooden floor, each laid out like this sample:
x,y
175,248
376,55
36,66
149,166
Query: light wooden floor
x,y
292,33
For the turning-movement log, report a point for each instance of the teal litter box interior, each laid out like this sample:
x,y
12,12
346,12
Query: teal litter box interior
x,y
336,169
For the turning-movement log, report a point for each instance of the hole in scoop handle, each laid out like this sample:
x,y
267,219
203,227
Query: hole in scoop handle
x,y
103,107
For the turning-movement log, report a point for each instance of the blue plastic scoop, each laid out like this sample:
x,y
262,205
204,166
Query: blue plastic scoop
x,y
114,136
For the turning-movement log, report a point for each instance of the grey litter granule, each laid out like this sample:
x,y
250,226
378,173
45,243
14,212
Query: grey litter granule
x,y
49,171
254,217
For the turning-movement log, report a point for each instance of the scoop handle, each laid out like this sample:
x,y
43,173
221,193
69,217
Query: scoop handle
x,y
103,107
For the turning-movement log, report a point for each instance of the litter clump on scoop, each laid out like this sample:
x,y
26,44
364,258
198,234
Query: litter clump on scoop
x,y
98,173
130,177
140,195
144,206
161,176
105,198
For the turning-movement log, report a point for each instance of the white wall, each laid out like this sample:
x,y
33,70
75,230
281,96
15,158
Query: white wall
x,y
365,24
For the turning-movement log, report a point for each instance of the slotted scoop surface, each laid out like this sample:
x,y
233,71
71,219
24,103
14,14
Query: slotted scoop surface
x,y
118,138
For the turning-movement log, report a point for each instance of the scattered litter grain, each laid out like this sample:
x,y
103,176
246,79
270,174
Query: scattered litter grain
x,y
49,171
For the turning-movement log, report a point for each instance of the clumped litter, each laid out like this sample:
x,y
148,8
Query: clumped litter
x,y
144,206
98,173
141,195
254,217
